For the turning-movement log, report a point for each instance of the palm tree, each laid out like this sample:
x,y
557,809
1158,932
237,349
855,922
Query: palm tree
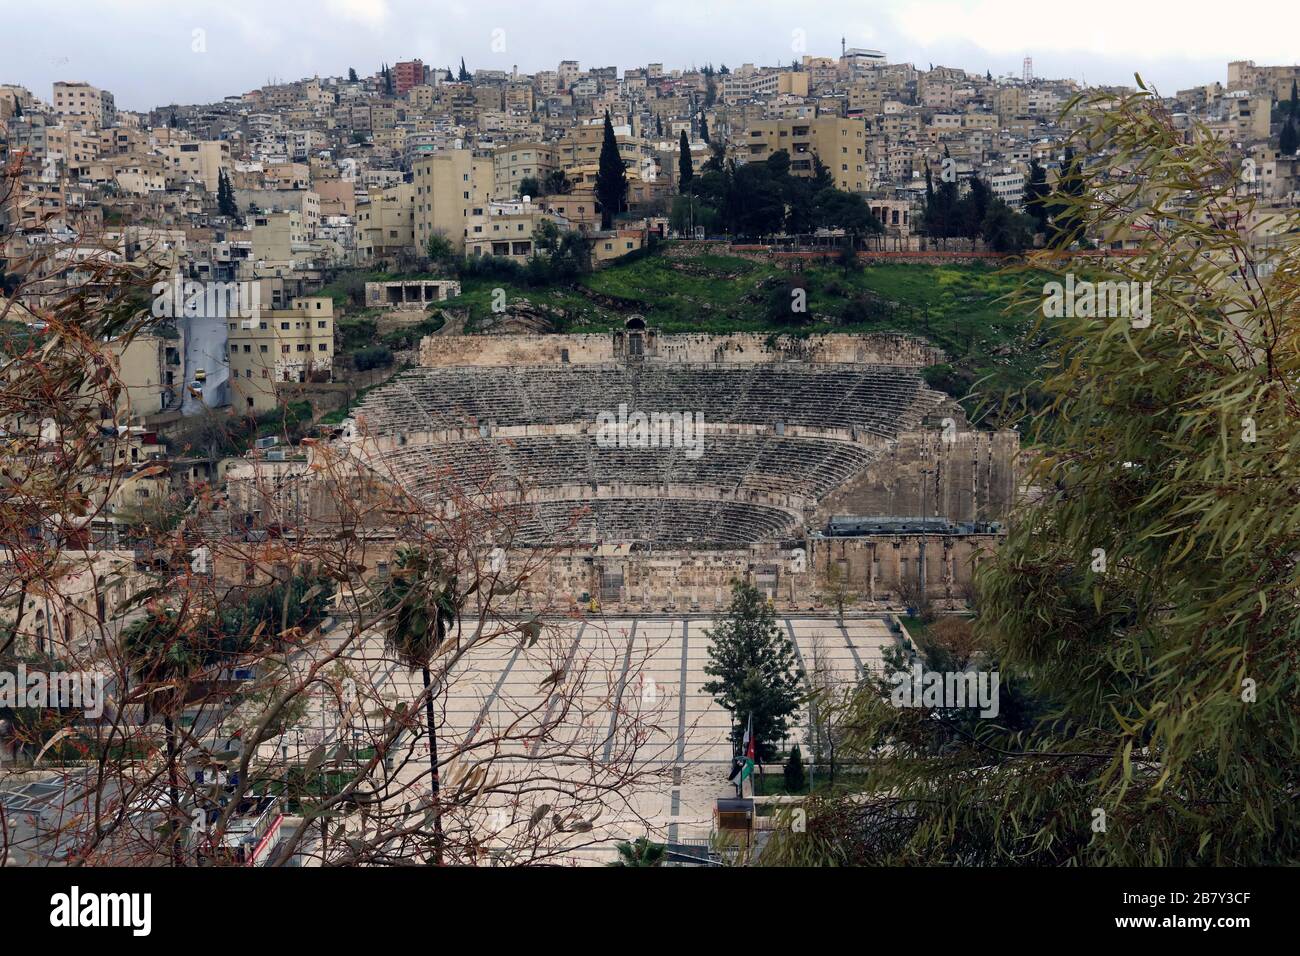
x,y
421,597
640,852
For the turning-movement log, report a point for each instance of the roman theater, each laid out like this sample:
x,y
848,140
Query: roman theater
x,y
818,459
820,469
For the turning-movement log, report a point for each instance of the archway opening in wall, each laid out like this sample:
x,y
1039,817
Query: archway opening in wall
x,y
635,324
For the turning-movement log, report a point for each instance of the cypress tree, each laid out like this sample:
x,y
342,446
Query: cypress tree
x,y
1036,193
685,172
611,178
1288,141
226,204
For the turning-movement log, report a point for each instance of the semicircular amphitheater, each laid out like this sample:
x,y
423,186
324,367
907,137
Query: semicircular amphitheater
x,y
643,451
655,470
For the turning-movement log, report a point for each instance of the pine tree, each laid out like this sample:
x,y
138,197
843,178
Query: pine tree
x,y
352,75
942,209
704,129
795,778
685,172
464,75
611,178
1036,193
974,207
755,670
388,81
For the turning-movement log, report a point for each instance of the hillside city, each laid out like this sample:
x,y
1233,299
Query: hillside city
x,y
461,466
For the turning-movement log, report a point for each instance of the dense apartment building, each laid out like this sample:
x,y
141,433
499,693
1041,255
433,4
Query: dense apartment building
x,y
279,346
450,187
407,74
840,145
84,103
515,162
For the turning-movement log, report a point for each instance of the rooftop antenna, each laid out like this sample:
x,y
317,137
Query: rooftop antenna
x,y
1029,69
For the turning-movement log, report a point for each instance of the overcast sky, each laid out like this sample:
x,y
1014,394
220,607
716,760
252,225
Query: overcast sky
x,y
144,51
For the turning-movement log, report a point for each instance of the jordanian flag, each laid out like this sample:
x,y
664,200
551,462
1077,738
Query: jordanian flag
x,y
743,766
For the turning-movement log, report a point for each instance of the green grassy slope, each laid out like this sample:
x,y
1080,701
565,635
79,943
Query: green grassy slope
x,y
958,307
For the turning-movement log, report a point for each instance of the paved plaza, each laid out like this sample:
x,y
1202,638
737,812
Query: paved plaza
x,y
633,696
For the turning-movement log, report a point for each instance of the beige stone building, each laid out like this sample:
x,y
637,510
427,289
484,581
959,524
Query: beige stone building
x,y
839,143
65,615
450,187
386,224
515,162
147,376
278,346
199,161
81,102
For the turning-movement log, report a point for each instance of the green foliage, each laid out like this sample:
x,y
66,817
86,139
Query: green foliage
x,y
979,214
409,336
1036,193
759,199
611,178
556,184
302,602
375,356
1063,204
1289,139
685,171
439,248
226,204
354,334
640,852
421,600
1142,613
795,778
754,669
